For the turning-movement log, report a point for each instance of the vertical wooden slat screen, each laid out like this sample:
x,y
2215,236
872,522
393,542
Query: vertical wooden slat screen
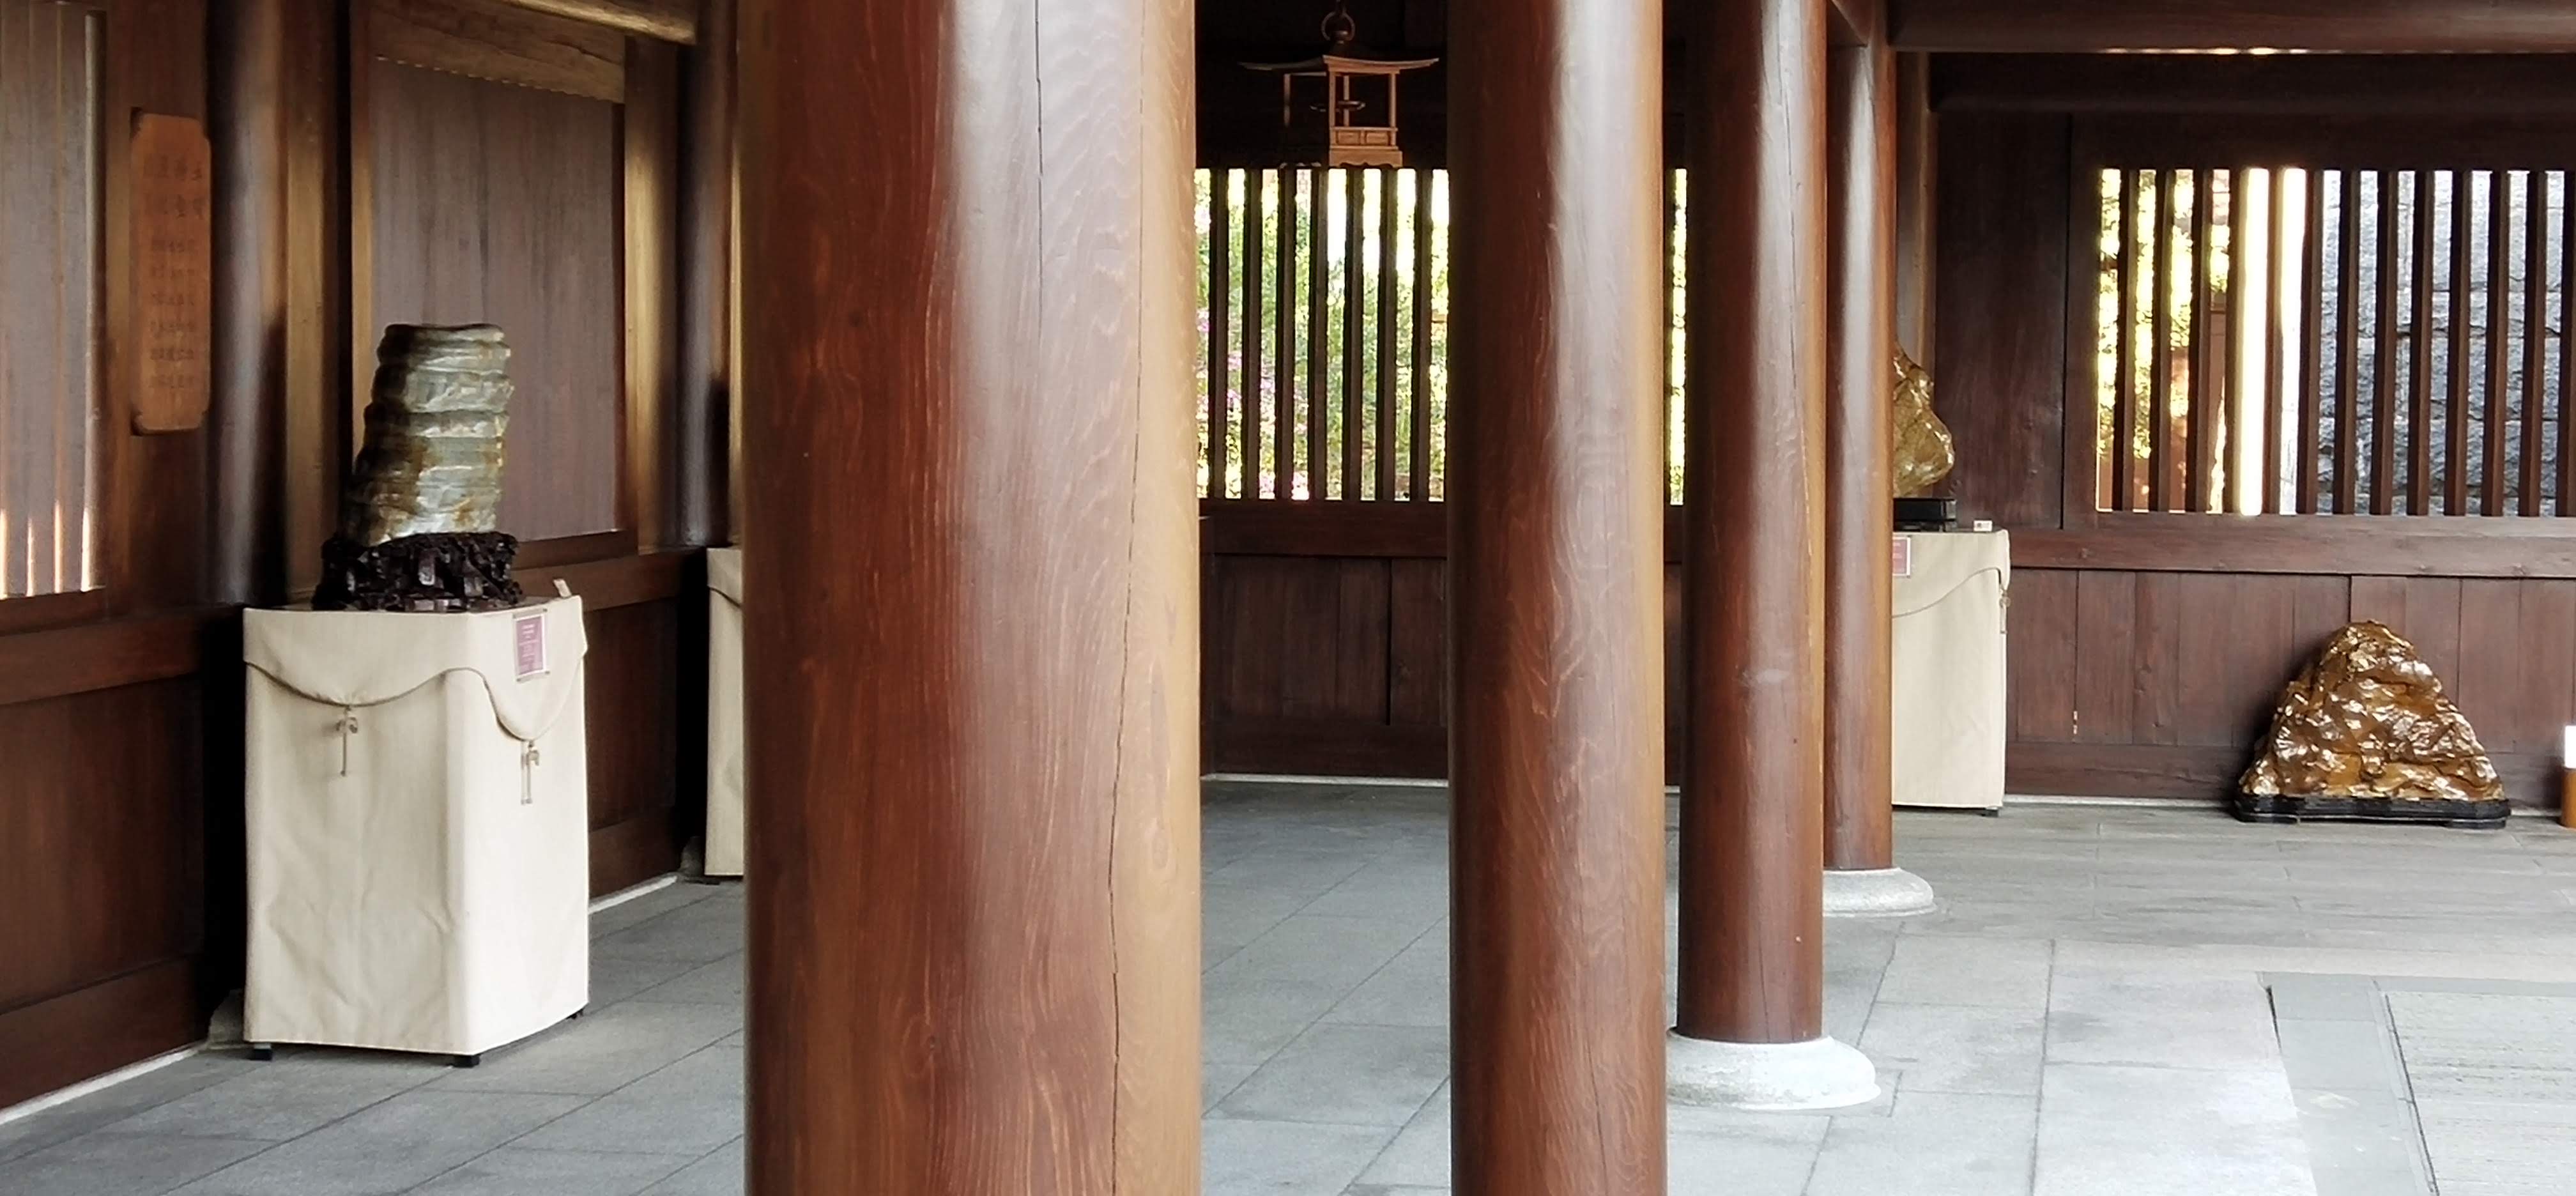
x,y
2391,354
2535,338
2567,345
2497,296
2419,470
49,295
1418,466
2310,366
1384,315
1324,339
2348,347
1318,243
1255,189
1220,293
2160,351
1283,305
2455,419
2124,398
1353,364
2200,434
2383,391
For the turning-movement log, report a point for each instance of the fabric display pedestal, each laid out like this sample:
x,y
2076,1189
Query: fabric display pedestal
x,y
418,827
1951,591
724,712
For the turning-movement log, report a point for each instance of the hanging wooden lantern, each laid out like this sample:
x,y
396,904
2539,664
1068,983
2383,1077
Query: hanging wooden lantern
x,y
1339,107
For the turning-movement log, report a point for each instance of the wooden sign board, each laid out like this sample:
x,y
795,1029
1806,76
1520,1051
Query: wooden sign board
x,y
173,254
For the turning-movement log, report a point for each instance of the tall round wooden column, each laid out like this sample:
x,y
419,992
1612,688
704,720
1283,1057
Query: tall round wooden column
x,y
1556,597
1861,877
972,608
1751,1028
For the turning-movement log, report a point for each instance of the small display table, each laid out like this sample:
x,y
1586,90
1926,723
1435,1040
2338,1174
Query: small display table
x,y
1951,589
724,712
418,827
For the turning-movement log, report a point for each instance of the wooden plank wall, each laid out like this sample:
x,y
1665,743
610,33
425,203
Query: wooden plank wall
x,y
120,802
2157,677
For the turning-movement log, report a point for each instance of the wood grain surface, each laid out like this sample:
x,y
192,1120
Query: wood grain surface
x,y
1555,505
973,692
1752,849
1860,519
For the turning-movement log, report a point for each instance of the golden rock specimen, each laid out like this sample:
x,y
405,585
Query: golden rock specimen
x,y
2368,720
1924,454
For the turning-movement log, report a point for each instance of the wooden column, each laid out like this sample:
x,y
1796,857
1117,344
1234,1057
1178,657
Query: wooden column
x,y
1556,549
1860,520
247,415
971,652
1752,826
705,399
1918,168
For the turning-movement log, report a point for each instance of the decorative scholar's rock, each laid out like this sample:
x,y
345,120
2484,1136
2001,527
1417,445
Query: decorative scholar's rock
x,y
419,521
2366,733
1924,452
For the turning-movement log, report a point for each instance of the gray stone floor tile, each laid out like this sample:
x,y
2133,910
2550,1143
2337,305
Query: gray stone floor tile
x,y
639,910
601,1052
1219,1080
104,1164
389,1147
294,1094
2139,1015
2146,1131
1994,973
1234,915
2324,998
716,983
1280,1158
1419,1156
1411,990
1934,1144
1352,1075
698,932
613,980
2366,1142
162,1085
1269,992
1758,1157
689,1108
718,1174
518,1171
1958,1048
2355,1057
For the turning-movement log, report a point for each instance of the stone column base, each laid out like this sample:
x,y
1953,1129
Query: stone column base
x,y
1768,1077
1877,893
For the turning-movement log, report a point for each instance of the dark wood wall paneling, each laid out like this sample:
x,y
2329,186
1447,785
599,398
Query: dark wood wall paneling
x,y
2148,650
120,803
104,801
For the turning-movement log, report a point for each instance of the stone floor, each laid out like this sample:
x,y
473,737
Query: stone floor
x,y
2092,1013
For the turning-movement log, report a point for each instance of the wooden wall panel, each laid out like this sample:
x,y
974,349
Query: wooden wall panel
x,y
636,729
1417,640
2041,628
2001,312
501,204
101,864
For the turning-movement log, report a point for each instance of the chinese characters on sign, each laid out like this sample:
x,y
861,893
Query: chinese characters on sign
x,y
173,221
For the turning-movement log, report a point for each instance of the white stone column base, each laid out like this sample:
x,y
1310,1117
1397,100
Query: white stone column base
x,y
1767,1077
1877,893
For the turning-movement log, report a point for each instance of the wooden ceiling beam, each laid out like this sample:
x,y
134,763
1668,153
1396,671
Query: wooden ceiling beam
x,y
666,20
2326,26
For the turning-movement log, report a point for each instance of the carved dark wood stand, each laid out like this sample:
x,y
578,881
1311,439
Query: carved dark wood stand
x,y
2458,815
439,571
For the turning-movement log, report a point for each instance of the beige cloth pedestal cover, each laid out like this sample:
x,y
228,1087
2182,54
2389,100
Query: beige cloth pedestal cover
x,y
724,712
428,890
1949,671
